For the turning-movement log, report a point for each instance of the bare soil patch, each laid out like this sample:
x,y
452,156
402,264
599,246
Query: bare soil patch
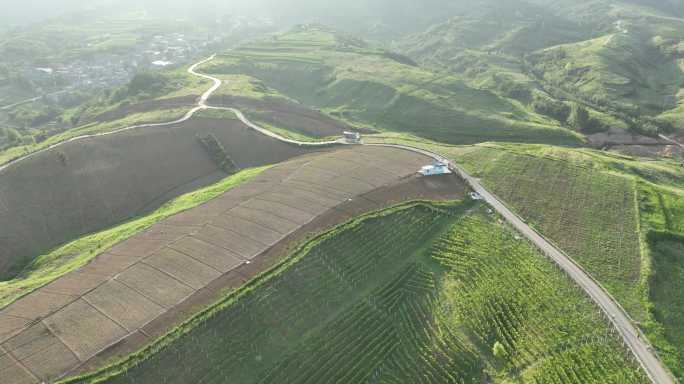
x,y
616,136
147,106
219,258
124,305
289,115
40,352
183,268
155,285
650,151
83,328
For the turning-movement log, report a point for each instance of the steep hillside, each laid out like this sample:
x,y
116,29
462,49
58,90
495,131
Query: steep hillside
x,y
636,69
421,293
384,91
619,217
620,60
88,185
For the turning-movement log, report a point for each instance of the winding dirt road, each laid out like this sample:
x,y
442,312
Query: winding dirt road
x,y
201,104
632,337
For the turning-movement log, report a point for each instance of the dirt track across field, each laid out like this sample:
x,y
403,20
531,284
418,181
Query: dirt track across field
x,y
140,287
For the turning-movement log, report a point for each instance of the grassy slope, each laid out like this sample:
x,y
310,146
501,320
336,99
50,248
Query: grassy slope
x,y
72,255
620,217
621,60
627,71
663,226
372,88
418,293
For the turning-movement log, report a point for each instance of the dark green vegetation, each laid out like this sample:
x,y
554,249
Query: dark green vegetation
x,y
621,218
218,153
374,88
421,293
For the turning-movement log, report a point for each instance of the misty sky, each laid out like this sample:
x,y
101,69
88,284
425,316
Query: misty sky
x,y
27,11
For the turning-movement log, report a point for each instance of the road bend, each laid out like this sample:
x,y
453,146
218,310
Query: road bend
x,y
201,105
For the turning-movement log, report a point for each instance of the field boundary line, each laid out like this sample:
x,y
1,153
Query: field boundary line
x,y
104,314
20,364
53,333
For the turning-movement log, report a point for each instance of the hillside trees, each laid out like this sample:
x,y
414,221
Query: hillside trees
x,y
218,153
143,85
547,106
579,117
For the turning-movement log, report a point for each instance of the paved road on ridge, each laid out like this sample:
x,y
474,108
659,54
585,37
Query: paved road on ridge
x,y
632,337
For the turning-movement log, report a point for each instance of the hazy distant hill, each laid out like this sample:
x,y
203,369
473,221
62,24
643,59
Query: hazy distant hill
x,y
619,59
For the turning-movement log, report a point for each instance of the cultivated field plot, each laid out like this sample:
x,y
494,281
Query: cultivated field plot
x,y
136,281
285,114
420,293
589,214
118,177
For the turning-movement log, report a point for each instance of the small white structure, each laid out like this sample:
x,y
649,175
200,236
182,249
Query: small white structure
x,y
351,137
476,196
437,168
161,63
49,71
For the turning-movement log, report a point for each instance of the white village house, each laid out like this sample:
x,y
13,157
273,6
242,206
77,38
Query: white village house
x,y
437,168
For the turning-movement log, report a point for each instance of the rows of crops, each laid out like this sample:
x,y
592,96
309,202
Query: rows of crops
x,y
249,338
416,295
503,292
590,215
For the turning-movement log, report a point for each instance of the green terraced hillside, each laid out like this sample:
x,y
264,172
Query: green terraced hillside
x,y
377,89
420,293
588,213
621,60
